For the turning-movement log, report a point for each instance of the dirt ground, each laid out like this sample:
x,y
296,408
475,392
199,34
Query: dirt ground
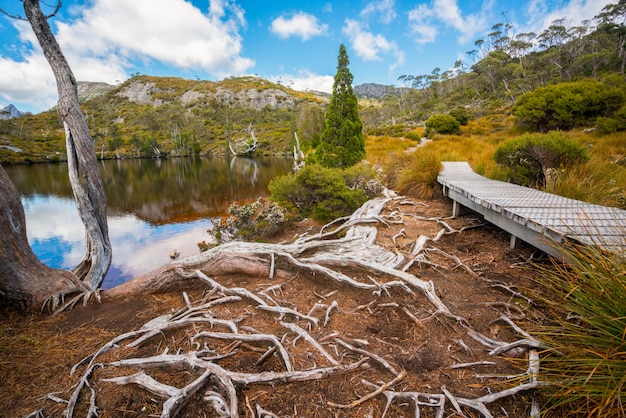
x,y
37,352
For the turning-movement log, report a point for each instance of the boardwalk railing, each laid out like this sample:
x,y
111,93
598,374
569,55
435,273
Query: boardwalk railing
x,y
541,219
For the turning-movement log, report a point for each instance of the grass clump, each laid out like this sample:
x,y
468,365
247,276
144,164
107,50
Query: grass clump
x,y
414,174
586,360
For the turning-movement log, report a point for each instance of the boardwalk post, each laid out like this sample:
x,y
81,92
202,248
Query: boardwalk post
x,y
456,209
516,243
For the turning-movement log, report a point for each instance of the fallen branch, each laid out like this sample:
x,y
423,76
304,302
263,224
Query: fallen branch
x,y
372,394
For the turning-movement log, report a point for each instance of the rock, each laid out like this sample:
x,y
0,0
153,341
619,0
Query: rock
x,y
374,91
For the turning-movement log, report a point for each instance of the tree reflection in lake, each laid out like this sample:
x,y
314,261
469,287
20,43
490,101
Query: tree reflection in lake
x,y
154,207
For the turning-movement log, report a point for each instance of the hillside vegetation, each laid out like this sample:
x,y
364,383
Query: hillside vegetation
x,y
158,116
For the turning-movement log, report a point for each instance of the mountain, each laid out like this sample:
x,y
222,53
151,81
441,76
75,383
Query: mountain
x,y
147,116
10,112
374,91
88,90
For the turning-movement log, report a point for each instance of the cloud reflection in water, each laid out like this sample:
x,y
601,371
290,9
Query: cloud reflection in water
x,y
57,237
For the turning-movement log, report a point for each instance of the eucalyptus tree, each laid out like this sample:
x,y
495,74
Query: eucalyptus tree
x,y
22,276
612,21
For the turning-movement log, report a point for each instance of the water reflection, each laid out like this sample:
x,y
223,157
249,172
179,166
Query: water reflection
x,y
154,207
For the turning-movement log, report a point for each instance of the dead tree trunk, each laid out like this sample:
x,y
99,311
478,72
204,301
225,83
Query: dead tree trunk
x,y
243,148
82,163
24,280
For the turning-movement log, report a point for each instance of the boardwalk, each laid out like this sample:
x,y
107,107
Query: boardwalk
x,y
538,218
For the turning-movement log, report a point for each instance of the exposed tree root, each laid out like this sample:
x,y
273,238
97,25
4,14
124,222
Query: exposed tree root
x,y
282,342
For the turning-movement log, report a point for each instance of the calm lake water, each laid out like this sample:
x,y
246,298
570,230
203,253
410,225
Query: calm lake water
x,y
154,207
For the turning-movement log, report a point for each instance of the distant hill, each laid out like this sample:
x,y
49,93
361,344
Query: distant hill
x,y
10,112
88,90
374,91
147,116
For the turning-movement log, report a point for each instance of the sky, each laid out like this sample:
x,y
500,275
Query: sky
x,y
295,43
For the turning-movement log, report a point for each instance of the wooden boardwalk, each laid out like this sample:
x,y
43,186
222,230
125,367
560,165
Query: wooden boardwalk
x,y
541,219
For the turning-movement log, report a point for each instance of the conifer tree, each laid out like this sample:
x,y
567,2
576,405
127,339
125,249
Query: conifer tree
x,y
342,143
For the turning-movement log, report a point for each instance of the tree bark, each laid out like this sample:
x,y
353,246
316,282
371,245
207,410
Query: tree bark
x,y
82,163
24,280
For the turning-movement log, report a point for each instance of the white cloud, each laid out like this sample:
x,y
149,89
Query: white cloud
x,y
370,46
52,220
574,11
104,39
305,81
171,31
419,22
383,9
300,24
29,80
425,21
139,247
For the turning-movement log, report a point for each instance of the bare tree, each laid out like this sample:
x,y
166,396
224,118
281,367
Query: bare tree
x,y
23,278
83,172
241,147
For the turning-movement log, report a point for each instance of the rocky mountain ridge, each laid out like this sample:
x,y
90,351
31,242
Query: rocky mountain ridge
x,y
374,91
10,112
151,93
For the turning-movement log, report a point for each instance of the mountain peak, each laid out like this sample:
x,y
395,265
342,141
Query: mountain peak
x,y
10,112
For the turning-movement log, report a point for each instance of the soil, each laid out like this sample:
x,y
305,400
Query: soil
x,y
37,351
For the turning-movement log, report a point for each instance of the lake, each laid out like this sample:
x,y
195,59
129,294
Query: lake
x,y
154,207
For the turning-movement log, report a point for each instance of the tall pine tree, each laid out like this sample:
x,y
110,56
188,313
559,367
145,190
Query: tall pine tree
x,y
342,143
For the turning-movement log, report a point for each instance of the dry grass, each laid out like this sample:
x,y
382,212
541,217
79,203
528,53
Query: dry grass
x,y
601,180
380,148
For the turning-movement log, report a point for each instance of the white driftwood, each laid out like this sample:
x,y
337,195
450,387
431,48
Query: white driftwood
x,y
250,338
302,333
345,255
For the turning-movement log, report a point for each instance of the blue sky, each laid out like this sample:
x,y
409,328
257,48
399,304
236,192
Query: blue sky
x,y
292,42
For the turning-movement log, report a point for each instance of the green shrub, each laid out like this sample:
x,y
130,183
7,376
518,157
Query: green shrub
x,y
398,130
567,105
533,158
460,114
320,192
442,124
607,125
585,362
415,136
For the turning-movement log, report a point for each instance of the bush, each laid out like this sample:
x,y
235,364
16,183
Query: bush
x,y
323,193
533,158
567,105
258,220
585,362
442,124
607,125
398,130
460,114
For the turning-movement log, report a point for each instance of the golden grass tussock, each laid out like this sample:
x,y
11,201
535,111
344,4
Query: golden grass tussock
x,y
380,148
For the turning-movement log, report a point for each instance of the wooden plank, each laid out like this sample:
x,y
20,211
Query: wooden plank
x,y
542,219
